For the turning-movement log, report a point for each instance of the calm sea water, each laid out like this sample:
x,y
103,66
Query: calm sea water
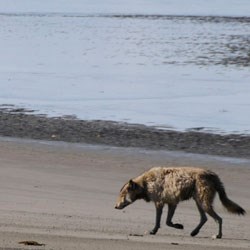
x,y
178,72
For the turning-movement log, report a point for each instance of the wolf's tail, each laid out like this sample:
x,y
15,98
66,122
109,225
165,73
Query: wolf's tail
x,y
231,206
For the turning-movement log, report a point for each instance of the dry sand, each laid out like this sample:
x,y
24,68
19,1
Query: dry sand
x,y
63,195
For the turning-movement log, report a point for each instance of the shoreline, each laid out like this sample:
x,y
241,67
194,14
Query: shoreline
x,y
21,125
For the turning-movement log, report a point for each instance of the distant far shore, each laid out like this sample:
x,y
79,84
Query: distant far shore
x,y
22,125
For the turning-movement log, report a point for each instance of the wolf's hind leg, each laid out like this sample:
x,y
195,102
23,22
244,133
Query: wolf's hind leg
x,y
203,219
218,219
171,210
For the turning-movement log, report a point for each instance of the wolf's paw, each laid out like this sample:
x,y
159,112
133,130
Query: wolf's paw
x,y
153,231
195,232
216,236
178,226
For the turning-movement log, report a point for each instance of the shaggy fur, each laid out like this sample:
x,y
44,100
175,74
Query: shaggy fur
x,y
172,185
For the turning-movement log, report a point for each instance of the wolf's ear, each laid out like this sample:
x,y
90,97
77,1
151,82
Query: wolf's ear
x,y
132,185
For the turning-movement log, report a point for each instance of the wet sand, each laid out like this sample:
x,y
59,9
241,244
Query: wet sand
x,y
62,195
23,124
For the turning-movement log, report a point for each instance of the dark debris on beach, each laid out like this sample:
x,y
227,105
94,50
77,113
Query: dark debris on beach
x,y
22,125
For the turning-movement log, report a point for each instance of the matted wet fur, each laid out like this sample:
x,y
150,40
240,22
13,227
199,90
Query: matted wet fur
x,y
170,186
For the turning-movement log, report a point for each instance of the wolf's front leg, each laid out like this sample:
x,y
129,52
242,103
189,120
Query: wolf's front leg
x,y
171,210
159,208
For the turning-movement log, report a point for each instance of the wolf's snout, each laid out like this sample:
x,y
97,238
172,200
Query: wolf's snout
x,y
117,207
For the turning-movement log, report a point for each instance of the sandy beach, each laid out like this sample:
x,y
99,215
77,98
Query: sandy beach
x,y
62,195
94,93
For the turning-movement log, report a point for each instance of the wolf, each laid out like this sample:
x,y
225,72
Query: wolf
x,y
163,185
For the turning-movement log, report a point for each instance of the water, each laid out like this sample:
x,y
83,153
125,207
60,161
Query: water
x,y
178,72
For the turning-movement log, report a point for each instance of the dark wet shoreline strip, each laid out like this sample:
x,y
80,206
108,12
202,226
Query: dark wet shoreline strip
x,y
22,125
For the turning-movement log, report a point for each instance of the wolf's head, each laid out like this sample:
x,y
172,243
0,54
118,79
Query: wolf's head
x,y
129,193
